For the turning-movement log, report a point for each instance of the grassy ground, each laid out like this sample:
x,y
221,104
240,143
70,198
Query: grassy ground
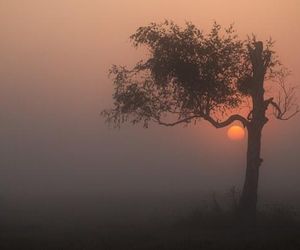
x,y
277,228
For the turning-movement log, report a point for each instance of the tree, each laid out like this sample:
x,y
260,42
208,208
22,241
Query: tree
x,y
191,76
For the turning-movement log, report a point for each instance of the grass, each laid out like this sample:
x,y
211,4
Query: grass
x,y
212,228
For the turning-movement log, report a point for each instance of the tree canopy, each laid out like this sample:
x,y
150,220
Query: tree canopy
x,y
191,75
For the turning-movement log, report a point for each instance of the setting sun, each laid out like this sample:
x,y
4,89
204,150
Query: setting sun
x,y
236,133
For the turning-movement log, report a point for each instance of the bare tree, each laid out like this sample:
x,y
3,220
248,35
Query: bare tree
x,y
191,76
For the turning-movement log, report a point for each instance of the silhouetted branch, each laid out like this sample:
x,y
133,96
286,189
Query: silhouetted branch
x,y
171,124
227,122
286,99
249,116
211,120
279,114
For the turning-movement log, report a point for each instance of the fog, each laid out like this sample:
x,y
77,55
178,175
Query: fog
x,y
57,152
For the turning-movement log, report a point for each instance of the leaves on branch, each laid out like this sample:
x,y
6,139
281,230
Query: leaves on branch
x,y
188,75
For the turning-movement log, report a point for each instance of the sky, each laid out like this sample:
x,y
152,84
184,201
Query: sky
x,y
55,57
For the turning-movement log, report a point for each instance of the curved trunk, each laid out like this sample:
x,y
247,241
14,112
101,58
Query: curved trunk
x,y
248,199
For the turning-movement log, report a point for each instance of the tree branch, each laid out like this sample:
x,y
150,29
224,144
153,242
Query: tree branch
x,y
279,114
227,122
211,120
171,124
286,100
249,116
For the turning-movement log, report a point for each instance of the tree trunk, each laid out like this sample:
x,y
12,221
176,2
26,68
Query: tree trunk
x,y
248,199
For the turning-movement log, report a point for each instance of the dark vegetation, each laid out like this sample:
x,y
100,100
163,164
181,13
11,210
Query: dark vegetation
x,y
191,76
210,225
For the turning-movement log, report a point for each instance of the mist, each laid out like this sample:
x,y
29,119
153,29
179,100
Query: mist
x,y
59,158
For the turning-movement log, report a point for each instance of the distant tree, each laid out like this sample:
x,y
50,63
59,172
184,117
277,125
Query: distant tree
x,y
190,76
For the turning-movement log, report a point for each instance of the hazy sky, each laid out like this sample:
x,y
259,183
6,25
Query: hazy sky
x,y
54,63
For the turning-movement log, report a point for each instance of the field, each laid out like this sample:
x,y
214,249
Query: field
x,y
140,225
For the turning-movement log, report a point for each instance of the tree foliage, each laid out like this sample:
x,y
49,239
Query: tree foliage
x,y
188,75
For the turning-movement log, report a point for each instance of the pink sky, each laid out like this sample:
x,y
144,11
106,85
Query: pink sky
x,y
55,56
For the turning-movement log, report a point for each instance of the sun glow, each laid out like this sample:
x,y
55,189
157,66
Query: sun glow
x,y
236,133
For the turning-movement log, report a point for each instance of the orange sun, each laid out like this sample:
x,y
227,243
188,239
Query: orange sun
x,y
236,133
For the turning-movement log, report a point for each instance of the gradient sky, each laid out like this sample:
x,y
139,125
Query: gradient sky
x,y
54,63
